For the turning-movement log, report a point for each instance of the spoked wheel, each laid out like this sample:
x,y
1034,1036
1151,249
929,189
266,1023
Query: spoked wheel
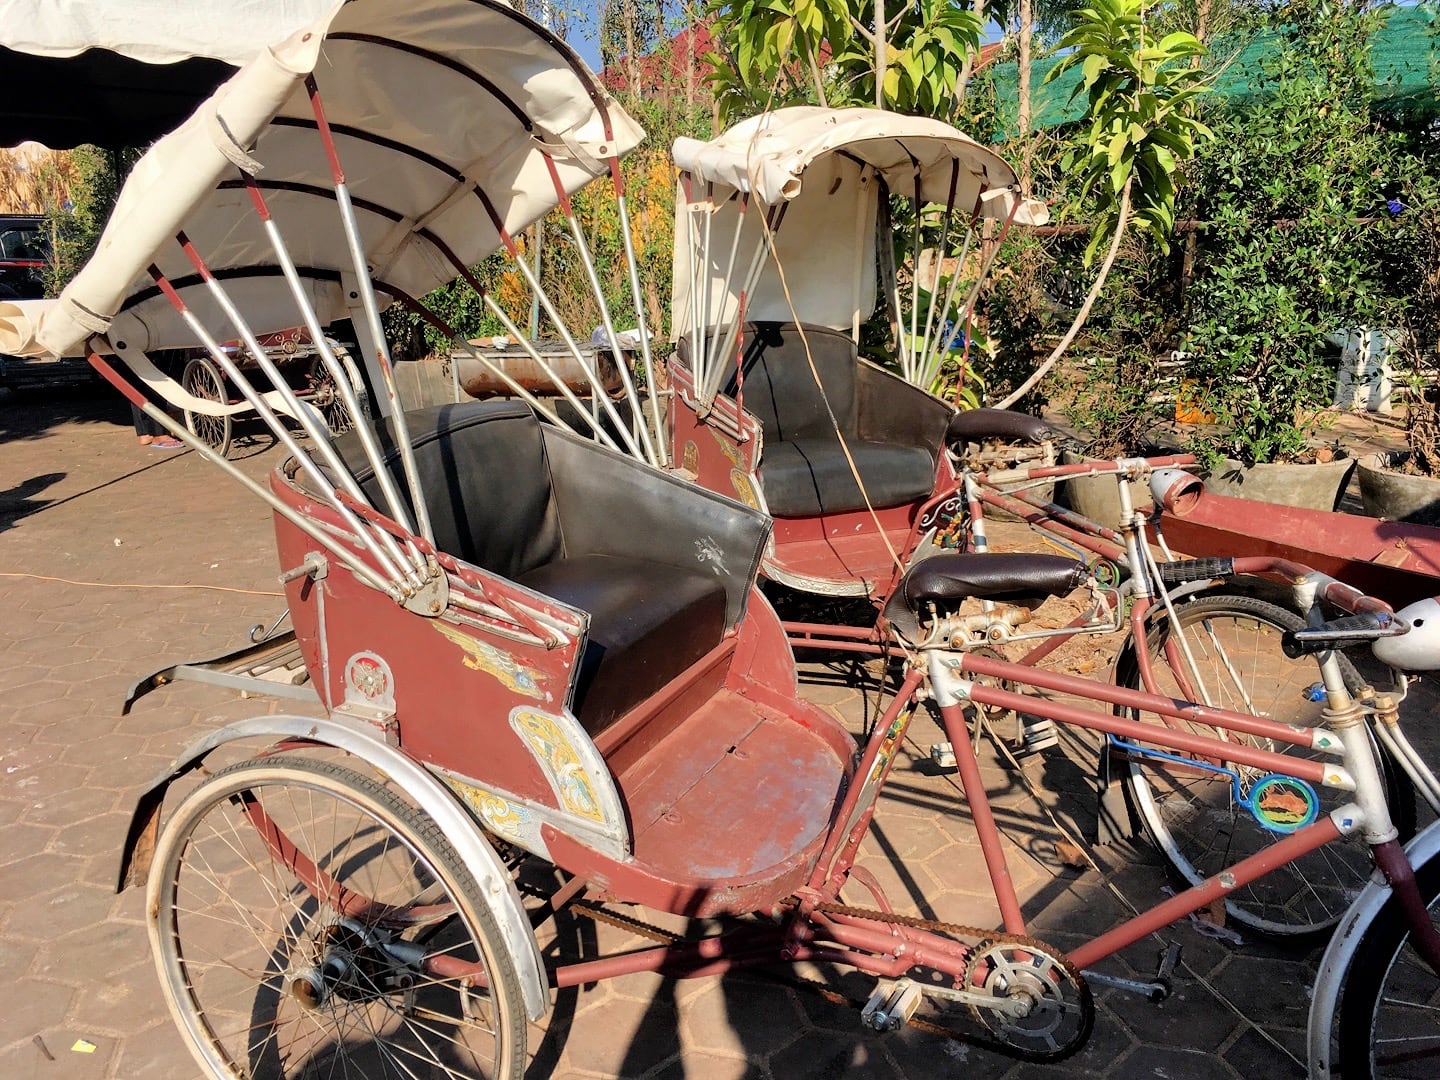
x,y
308,922
203,379
325,395
1192,814
1390,1018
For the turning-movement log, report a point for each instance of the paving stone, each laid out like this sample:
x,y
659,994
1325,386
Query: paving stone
x,y
32,1006
70,768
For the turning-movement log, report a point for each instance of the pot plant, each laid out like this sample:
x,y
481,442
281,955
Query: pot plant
x,y
1405,485
1287,256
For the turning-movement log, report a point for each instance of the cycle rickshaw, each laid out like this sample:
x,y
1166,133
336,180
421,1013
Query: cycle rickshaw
x,y
528,643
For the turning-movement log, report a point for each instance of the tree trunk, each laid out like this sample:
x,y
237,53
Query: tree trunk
x,y
1023,71
968,67
880,58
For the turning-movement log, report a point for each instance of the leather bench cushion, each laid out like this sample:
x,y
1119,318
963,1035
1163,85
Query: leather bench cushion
x,y
648,623
806,477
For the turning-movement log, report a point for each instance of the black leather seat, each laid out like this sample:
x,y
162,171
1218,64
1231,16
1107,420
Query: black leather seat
x,y
494,501
803,469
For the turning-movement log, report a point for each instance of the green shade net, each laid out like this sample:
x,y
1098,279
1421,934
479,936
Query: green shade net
x,y
1405,53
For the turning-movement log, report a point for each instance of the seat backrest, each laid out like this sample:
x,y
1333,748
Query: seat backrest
x,y
486,479
779,387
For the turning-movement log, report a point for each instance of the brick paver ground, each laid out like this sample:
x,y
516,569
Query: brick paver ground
x,y
80,500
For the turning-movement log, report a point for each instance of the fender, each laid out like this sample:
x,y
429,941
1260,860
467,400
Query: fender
x,y
1335,964
497,888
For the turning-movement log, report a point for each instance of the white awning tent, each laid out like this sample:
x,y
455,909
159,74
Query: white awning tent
x,y
434,104
826,167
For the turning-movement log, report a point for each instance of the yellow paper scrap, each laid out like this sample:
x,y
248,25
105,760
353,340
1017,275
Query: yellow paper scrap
x,y
83,1046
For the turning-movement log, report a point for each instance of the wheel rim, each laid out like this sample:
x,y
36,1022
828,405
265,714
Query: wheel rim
x,y
1405,1033
268,979
203,381
1195,818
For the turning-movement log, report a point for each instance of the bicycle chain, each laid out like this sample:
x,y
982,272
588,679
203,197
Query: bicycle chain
x,y
986,940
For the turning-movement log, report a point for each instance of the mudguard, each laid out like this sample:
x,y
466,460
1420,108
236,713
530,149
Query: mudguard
x,y
1335,964
429,794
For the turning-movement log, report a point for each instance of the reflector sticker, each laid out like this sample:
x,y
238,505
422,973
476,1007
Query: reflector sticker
x,y
1283,804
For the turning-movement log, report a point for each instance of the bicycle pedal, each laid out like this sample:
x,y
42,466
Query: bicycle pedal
x,y
1036,733
942,755
891,1006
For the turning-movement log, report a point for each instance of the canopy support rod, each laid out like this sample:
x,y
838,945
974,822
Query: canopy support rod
x,y
515,387
744,198
587,261
914,342
707,298
538,290
366,433
698,331
764,247
372,318
662,449
179,431
319,435
925,341
989,261
945,340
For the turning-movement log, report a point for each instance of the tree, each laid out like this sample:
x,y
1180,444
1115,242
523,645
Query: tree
x,y
840,52
1140,126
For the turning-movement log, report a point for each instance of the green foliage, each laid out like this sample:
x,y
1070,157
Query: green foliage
x,y
1140,122
1286,260
92,178
773,51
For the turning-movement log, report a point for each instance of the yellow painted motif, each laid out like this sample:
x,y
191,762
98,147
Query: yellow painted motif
x,y
744,489
690,458
500,815
559,759
723,441
482,656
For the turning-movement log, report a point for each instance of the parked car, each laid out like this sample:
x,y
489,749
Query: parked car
x,y
24,255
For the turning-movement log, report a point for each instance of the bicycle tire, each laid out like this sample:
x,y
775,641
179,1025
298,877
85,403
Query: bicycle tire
x,y
268,976
1194,819
1390,994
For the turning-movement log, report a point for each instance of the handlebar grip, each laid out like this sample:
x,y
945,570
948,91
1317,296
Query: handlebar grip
x,y
1183,570
1349,630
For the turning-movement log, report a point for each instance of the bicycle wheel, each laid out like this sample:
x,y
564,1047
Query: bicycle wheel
x,y
1192,815
1390,1015
204,380
297,911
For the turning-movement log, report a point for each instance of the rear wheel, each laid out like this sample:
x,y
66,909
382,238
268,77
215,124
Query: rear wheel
x,y
203,379
1390,1018
326,395
306,922
1192,814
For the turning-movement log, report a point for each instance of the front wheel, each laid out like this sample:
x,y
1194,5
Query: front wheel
x,y
1191,812
203,379
1390,1017
306,921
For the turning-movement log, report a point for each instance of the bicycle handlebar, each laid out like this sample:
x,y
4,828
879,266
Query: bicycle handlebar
x,y
1349,630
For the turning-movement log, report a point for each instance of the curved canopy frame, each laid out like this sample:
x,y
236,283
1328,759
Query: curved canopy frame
x,y
371,156
823,172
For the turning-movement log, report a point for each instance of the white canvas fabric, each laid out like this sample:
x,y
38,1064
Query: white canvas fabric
x,y
155,31
429,101
825,167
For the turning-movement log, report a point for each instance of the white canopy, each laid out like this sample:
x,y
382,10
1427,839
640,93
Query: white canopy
x,y
825,166
155,31
767,155
438,107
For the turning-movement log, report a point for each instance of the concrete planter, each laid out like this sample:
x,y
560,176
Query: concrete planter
x,y
1097,497
1395,496
1313,487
